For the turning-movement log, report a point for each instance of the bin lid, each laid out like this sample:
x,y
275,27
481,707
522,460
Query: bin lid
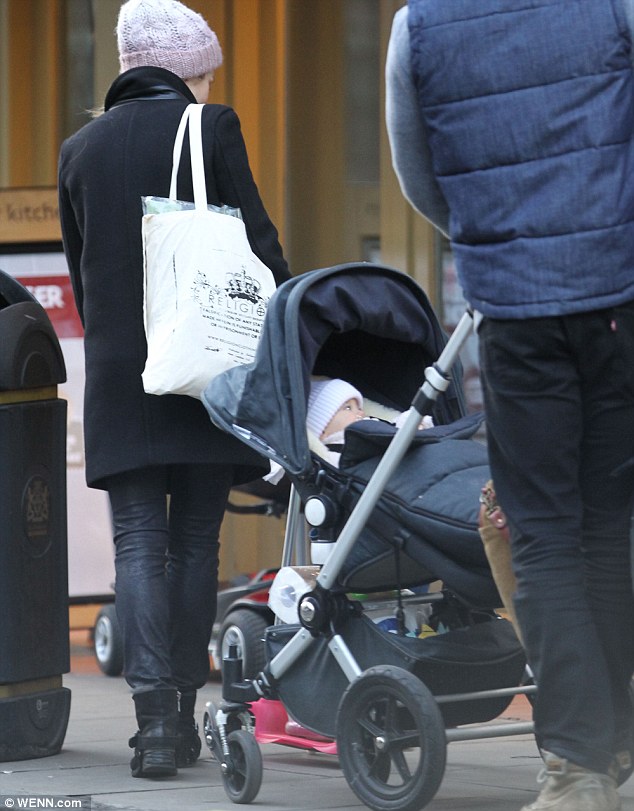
x,y
31,355
12,292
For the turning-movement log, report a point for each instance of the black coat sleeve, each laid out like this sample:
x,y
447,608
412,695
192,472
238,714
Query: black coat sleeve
x,y
236,187
71,238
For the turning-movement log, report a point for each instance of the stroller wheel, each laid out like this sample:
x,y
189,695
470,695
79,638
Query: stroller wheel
x,y
108,641
244,629
391,740
242,777
235,720
209,730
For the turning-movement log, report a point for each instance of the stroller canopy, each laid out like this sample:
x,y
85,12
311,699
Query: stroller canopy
x,y
368,324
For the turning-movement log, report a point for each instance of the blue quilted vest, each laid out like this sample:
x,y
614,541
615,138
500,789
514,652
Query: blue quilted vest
x,y
529,107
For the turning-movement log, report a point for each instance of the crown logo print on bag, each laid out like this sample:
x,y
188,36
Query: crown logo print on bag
x,y
241,292
239,285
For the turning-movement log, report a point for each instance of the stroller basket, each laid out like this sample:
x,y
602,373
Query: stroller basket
x,y
459,661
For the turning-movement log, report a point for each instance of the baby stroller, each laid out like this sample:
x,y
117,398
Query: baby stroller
x,y
399,512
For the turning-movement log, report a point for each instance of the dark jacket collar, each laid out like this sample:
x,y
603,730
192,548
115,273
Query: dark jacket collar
x,y
147,83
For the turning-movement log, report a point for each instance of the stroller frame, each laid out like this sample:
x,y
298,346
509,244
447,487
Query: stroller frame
x,y
385,710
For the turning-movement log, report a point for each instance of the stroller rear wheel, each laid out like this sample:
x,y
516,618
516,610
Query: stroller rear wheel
x,y
391,740
243,777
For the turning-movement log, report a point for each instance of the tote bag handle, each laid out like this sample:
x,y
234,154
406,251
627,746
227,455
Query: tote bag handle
x,y
192,116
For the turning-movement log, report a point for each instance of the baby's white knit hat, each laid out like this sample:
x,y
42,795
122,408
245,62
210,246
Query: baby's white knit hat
x,y
325,399
166,34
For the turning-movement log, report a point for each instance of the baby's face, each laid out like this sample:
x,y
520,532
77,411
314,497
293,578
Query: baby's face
x,y
349,412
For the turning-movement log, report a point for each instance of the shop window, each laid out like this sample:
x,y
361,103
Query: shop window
x,y
79,65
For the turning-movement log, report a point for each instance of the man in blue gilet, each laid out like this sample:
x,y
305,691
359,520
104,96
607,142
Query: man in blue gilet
x,y
511,124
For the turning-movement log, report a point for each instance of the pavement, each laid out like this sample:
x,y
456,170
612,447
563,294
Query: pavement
x,y
488,774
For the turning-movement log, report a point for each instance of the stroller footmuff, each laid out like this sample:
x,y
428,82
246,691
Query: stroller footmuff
x,y
399,512
426,519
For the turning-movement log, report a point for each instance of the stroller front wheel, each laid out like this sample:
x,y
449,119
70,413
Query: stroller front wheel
x,y
391,740
243,776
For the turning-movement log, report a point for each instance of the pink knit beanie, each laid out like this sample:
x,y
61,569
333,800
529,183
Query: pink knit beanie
x,y
325,399
166,34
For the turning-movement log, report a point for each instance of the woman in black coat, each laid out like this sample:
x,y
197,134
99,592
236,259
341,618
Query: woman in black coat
x,y
141,447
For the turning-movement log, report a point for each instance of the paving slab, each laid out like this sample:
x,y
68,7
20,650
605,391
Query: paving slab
x,y
493,774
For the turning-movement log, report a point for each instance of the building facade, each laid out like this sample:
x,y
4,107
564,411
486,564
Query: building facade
x,y
307,80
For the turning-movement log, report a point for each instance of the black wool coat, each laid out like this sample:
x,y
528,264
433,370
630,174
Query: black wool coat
x,y
104,170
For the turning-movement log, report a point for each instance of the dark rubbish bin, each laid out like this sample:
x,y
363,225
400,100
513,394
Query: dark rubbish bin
x,y
34,632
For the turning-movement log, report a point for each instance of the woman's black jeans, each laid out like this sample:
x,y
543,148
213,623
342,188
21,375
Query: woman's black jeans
x,y
166,564
559,402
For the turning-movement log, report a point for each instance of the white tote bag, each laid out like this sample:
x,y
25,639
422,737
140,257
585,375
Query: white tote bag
x,y
206,292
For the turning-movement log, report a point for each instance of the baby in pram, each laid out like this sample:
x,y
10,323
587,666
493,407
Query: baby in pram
x,y
333,405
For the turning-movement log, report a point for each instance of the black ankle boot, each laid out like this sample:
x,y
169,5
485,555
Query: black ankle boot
x,y
155,742
188,742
